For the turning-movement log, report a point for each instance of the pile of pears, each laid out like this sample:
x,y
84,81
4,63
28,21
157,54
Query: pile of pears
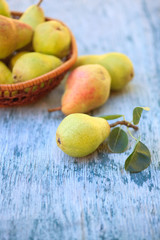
x,y
88,86
30,46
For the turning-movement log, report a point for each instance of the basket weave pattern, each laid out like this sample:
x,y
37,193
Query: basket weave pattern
x,y
32,90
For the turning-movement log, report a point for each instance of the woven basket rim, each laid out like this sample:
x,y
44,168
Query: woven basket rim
x,y
45,77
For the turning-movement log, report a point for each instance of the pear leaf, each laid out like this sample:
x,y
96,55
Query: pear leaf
x,y
139,159
111,117
137,112
118,140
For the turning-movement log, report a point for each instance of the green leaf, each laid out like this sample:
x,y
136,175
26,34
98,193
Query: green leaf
x,y
111,117
139,159
137,112
118,140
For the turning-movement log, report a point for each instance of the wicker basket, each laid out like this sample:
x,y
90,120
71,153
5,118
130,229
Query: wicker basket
x,y
32,90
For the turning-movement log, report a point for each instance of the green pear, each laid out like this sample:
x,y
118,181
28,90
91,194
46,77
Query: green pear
x,y
5,74
13,35
87,88
118,65
15,57
52,38
33,16
120,69
32,65
79,135
4,8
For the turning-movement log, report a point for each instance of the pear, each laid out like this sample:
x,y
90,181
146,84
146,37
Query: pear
x,y
4,8
79,134
32,65
120,69
7,37
33,16
53,38
15,57
24,34
118,65
5,74
87,88
13,35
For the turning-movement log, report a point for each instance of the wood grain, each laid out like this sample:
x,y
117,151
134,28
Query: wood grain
x,y
46,194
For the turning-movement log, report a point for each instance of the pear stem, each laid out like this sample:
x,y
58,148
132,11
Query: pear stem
x,y
39,3
54,109
126,123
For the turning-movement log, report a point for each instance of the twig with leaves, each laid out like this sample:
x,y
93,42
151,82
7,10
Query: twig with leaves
x,y
140,158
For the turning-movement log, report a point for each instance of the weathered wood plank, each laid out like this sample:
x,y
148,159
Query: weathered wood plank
x,y
48,195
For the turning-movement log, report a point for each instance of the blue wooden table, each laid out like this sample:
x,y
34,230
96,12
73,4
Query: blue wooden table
x,y
47,195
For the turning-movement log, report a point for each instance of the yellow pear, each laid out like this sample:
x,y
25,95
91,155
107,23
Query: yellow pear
x,y
7,37
52,38
13,35
33,16
24,34
4,8
79,134
5,74
32,65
